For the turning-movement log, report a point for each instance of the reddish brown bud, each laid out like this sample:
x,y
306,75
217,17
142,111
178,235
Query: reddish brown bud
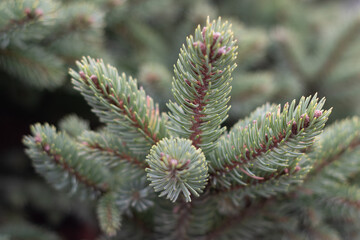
x,y
82,75
94,79
286,170
173,162
46,148
202,48
203,32
216,35
297,168
37,138
306,121
317,113
294,128
107,87
221,51
247,153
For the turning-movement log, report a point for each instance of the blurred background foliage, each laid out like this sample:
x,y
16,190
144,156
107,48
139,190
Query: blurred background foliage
x,y
287,48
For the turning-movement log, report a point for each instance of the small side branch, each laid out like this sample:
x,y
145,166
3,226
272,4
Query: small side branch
x,y
61,162
121,156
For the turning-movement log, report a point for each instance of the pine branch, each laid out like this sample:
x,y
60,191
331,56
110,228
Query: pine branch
x,y
201,86
55,157
119,103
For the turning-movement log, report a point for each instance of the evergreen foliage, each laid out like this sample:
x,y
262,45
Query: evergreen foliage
x,y
39,38
274,174
324,62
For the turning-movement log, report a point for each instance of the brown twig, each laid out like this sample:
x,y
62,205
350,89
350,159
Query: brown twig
x,y
122,156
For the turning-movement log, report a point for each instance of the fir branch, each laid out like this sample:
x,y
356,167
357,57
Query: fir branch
x,y
258,115
56,158
100,147
61,162
108,214
127,110
34,66
121,156
326,162
336,142
201,85
30,16
255,152
80,23
176,166
256,182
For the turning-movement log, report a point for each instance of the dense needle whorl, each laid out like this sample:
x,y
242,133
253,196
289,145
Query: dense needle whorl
x,y
175,166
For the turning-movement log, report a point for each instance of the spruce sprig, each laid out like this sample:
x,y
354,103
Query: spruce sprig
x,y
201,85
191,160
